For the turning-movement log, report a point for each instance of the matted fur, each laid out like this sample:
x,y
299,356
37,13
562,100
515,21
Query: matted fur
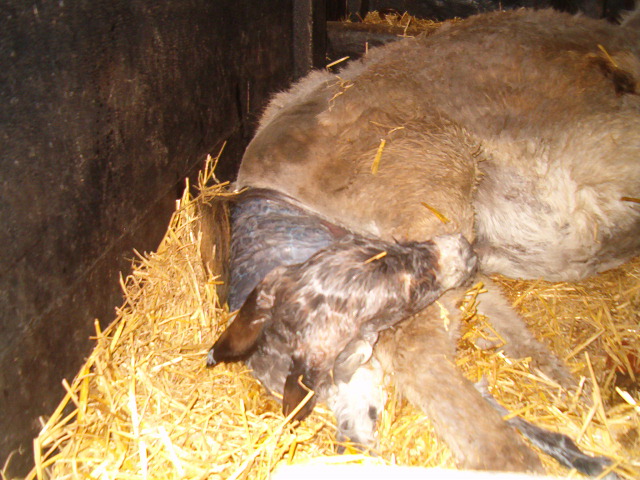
x,y
302,326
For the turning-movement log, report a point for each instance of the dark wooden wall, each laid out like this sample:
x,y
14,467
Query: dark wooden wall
x,y
105,107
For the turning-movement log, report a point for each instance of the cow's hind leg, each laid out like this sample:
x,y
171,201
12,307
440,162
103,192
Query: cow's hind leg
x,y
420,354
519,342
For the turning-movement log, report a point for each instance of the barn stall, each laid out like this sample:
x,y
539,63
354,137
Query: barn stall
x,y
143,405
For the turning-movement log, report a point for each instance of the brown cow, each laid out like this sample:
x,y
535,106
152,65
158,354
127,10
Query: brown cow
x,y
520,130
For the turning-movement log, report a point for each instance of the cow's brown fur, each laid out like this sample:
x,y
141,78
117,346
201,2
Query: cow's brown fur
x,y
522,128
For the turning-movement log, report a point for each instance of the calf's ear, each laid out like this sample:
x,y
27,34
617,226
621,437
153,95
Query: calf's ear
x,y
240,338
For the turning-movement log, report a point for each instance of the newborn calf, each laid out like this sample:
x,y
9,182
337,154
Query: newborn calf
x,y
295,324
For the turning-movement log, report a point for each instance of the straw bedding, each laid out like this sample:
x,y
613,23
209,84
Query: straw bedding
x,y
145,406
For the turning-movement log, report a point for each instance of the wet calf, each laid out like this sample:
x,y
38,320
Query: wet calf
x,y
305,326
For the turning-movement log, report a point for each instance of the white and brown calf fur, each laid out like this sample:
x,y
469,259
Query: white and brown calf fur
x,y
523,129
303,327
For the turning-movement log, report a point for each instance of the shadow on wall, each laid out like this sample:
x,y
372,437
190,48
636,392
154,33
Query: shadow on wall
x,y
106,106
